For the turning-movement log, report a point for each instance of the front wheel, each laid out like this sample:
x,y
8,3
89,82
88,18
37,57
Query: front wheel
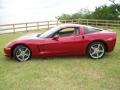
x,y
96,50
21,53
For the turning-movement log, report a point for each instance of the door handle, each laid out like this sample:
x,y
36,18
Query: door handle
x,y
83,37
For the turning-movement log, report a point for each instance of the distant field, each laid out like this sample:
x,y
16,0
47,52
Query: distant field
x,y
59,73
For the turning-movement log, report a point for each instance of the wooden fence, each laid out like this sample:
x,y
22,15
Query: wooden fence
x,y
6,28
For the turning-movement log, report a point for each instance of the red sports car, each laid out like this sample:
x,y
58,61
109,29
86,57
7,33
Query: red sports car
x,y
66,39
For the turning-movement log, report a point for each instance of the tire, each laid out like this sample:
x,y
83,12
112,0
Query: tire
x,y
21,53
96,50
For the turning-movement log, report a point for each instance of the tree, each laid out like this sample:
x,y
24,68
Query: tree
x,y
64,17
106,12
116,5
111,12
76,15
83,13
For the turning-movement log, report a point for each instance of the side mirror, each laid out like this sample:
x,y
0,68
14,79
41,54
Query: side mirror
x,y
55,37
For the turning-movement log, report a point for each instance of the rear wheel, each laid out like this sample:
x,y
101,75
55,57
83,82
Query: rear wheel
x,y
21,53
96,50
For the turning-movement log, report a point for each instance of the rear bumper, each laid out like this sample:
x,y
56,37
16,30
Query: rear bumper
x,y
111,45
7,52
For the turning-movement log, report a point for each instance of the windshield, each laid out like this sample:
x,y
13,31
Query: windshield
x,y
49,32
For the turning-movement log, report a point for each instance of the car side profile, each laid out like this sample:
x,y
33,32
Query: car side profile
x,y
65,39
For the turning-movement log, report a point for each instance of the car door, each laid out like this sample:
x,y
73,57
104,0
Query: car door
x,y
67,43
71,44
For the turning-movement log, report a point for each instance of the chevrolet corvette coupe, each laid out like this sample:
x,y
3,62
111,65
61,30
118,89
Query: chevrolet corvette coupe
x,y
65,39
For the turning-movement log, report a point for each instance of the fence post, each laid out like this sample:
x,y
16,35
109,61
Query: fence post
x,y
106,24
57,23
96,23
37,25
87,21
118,24
48,25
65,21
72,21
14,28
78,21
26,27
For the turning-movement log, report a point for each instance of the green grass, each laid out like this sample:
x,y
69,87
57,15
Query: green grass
x,y
59,73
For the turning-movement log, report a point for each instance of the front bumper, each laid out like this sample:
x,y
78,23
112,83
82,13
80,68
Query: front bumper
x,y
7,52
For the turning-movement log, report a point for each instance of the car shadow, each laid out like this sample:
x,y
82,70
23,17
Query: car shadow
x,y
81,58
58,58
62,58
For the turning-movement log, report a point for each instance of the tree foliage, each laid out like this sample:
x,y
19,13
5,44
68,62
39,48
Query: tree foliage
x,y
111,12
106,12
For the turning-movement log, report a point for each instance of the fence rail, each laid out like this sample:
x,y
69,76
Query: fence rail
x,y
6,28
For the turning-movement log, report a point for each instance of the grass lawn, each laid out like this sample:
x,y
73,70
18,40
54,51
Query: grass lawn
x,y
60,73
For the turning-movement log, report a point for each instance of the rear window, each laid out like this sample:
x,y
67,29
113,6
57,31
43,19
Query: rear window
x,y
90,30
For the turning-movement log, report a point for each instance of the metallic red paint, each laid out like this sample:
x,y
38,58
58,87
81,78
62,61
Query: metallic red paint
x,y
70,45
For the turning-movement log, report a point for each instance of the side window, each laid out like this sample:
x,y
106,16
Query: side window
x,y
89,30
68,31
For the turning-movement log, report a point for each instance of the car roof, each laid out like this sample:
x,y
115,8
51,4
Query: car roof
x,y
69,25
72,25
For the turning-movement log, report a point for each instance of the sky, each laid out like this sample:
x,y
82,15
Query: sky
x,y
12,11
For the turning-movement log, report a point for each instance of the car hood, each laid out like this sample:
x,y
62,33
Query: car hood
x,y
28,36
24,39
